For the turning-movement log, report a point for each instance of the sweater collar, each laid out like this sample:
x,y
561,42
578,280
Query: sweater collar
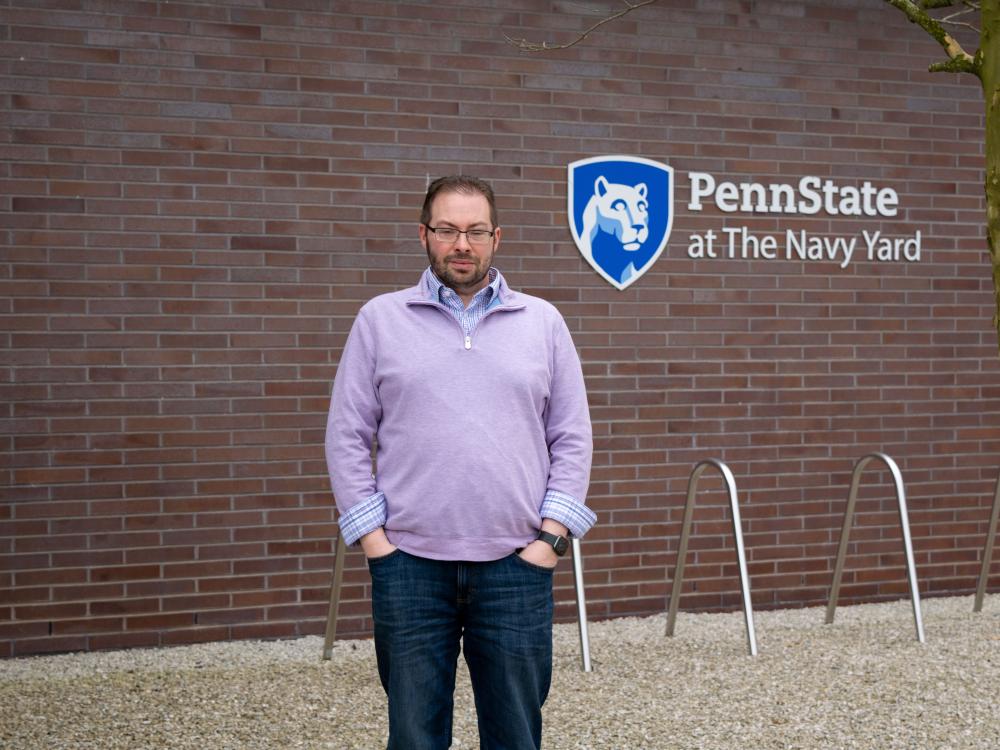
x,y
430,287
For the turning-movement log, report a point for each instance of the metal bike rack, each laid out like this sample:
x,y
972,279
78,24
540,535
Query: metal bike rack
x,y
904,522
991,534
581,606
675,590
331,617
338,577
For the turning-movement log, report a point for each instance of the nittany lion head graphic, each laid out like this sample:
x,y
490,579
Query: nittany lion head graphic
x,y
620,214
620,210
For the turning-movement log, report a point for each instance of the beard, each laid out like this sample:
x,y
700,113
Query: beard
x,y
461,280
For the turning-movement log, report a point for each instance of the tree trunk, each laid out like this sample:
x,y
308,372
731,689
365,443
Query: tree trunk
x,y
989,74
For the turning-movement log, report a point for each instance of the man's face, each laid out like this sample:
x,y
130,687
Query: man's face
x,y
461,265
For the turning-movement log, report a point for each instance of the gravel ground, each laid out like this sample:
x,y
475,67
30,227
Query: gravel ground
x,y
863,682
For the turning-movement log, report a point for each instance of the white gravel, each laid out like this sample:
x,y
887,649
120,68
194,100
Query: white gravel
x,y
863,682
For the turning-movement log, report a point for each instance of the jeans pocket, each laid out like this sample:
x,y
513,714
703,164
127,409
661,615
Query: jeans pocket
x,y
374,562
531,566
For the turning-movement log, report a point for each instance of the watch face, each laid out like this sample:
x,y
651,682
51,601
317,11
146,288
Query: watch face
x,y
561,545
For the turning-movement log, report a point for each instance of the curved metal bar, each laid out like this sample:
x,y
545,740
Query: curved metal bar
x,y
675,590
911,569
331,617
581,606
991,534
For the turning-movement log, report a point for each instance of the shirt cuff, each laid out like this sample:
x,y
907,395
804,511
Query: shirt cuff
x,y
568,511
363,518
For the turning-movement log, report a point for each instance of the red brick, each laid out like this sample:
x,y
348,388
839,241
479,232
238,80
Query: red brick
x,y
125,573
88,626
50,611
48,205
49,645
177,621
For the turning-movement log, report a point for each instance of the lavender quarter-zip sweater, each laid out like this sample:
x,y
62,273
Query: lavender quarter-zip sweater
x,y
473,431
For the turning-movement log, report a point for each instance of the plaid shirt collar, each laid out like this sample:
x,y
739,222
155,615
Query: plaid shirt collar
x,y
448,297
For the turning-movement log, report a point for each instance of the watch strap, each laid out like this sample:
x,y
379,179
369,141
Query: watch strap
x,y
559,543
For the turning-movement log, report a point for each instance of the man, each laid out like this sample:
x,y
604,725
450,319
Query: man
x,y
484,443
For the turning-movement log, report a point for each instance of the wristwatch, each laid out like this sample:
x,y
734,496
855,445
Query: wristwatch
x,y
559,543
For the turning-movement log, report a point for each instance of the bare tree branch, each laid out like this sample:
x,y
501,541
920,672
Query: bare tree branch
x,y
959,61
933,4
524,44
970,8
960,23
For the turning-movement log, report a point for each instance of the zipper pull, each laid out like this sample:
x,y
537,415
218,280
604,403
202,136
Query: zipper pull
x,y
468,342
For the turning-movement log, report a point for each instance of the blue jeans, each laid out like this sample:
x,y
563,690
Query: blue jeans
x,y
500,612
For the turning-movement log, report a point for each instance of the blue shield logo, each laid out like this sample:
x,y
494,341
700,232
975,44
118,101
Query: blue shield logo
x,y
620,213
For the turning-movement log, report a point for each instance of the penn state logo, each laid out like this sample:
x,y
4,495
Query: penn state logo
x,y
620,214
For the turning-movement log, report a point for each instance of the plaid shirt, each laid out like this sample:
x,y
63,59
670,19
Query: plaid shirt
x,y
469,316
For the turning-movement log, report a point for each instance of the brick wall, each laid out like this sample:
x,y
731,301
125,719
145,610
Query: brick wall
x,y
197,197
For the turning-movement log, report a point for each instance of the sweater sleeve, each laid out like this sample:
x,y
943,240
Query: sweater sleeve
x,y
355,413
569,438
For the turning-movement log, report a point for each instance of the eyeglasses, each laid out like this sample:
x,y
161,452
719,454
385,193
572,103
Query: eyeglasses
x,y
449,235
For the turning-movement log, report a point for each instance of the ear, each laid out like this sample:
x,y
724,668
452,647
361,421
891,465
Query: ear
x,y
422,233
641,189
600,187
